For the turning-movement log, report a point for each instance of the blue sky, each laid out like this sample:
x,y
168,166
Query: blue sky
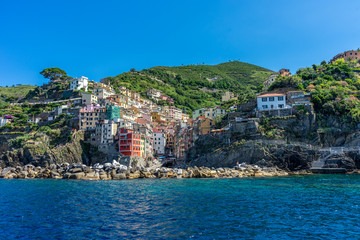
x,y
105,38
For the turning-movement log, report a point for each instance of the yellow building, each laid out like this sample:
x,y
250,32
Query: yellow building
x,y
121,100
205,126
123,90
157,116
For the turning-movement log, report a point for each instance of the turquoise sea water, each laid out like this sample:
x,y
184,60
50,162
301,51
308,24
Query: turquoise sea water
x,y
304,207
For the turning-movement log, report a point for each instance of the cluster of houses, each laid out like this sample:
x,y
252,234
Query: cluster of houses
x,y
134,125
137,126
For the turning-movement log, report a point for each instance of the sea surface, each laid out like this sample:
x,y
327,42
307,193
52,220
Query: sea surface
x,y
301,207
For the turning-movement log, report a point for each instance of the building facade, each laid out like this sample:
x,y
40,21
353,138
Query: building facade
x,y
90,117
284,72
271,101
227,96
351,55
102,92
159,143
108,131
3,121
80,83
209,112
130,143
88,98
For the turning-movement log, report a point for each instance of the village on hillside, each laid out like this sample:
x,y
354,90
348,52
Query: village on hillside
x,y
138,127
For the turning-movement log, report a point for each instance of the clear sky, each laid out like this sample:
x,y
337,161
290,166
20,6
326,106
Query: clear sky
x,y
105,38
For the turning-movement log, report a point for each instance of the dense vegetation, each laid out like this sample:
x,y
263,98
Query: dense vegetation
x,y
196,86
334,88
14,93
52,133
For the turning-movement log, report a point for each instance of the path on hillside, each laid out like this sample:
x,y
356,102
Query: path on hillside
x,y
45,102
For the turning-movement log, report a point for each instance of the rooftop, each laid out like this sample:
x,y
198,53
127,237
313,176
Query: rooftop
x,y
271,95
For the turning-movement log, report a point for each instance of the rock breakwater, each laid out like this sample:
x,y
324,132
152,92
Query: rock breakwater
x,y
116,171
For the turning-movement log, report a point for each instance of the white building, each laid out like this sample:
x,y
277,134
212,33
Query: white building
x,y
33,120
3,121
103,92
108,131
80,83
271,101
153,93
123,123
159,143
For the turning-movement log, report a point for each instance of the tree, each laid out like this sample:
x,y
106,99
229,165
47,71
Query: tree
x,y
132,70
54,74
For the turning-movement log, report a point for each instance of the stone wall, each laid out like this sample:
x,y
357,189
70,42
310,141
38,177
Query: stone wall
x,y
275,113
249,127
247,107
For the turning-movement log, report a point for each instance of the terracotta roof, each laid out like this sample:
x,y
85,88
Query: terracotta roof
x,y
141,121
271,95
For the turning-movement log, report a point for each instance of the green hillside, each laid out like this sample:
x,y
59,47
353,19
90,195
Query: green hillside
x,y
196,86
334,89
10,94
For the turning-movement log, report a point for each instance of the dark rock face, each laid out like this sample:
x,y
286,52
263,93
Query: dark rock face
x,y
71,152
289,157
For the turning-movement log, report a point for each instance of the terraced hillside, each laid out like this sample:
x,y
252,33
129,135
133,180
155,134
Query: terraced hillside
x,y
196,86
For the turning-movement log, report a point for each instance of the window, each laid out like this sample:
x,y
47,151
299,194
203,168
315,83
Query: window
x,y
281,105
281,98
271,99
264,106
264,99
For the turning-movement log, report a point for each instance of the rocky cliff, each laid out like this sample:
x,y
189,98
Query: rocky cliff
x,y
289,157
40,154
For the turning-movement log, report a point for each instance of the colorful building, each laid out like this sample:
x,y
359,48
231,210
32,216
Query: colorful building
x,y
130,143
112,112
90,116
284,72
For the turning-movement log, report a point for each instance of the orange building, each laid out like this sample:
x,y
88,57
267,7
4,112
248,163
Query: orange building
x,y
284,72
130,143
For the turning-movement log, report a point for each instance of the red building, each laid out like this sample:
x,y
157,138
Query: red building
x,y
130,143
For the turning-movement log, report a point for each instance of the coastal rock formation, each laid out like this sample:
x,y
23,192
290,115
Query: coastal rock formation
x,y
40,154
289,157
116,171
